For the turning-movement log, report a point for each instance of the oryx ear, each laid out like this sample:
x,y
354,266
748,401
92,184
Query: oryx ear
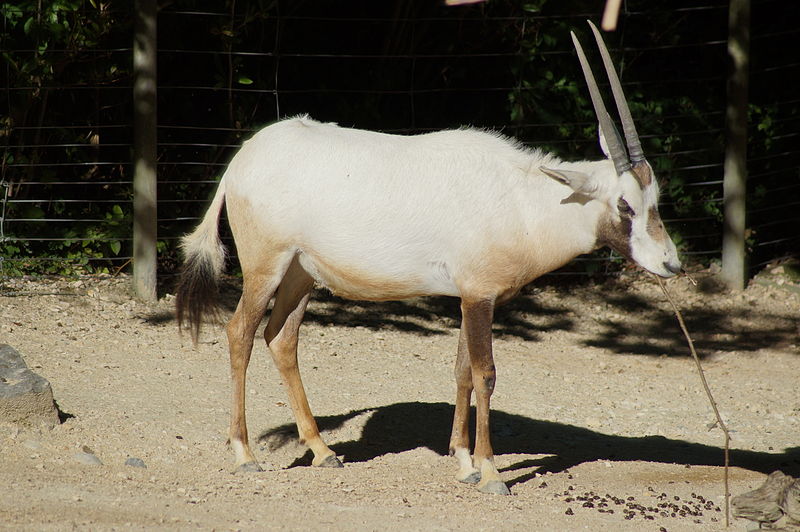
x,y
578,181
603,143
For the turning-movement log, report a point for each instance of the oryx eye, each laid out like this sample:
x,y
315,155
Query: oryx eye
x,y
625,209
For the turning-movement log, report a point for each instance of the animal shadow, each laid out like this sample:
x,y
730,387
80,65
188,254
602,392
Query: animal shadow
x,y
405,426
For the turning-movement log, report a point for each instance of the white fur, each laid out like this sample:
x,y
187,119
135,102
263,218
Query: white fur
x,y
425,211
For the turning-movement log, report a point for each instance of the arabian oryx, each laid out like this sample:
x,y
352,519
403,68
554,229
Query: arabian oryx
x,y
371,216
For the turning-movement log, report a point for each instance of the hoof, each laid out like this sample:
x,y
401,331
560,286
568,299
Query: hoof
x,y
472,478
494,487
330,461
249,467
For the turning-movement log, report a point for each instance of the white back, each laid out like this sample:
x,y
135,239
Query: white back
x,y
434,213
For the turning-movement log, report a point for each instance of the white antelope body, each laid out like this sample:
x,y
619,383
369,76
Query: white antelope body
x,y
372,216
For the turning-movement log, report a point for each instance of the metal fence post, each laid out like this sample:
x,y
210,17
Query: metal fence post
x,y
734,270
144,150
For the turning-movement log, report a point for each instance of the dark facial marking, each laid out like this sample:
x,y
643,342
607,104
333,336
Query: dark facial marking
x,y
625,209
655,227
615,234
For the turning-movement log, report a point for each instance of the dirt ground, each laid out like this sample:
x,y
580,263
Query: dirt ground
x,y
599,418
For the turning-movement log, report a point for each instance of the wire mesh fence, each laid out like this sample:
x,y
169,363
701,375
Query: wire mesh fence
x,y
227,69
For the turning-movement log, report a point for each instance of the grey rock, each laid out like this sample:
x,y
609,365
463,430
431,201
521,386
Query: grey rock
x,y
135,462
25,397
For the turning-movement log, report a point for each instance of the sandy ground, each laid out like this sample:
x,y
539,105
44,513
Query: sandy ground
x,y
599,418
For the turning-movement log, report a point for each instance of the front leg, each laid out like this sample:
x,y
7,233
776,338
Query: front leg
x,y
477,326
459,437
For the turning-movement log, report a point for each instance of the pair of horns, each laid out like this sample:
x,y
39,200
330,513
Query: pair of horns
x,y
615,148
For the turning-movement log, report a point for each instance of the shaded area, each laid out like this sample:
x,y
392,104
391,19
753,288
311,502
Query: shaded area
x,y
159,318
63,416
524,317
425,316
632,324
405,426
609,315
711,332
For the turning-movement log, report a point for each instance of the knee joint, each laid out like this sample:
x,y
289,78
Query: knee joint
x,y
485,383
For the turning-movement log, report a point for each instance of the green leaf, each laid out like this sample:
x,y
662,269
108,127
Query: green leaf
x,y
11,13
115,246
244,80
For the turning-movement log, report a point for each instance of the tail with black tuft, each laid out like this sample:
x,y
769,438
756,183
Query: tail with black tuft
x,y
204,260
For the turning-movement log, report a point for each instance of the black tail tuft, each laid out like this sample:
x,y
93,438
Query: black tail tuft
x,y
197,295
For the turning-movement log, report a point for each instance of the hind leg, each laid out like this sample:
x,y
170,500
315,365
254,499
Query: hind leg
x,y
258,287
281,335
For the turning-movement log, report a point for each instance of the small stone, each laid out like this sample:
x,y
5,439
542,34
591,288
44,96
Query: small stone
x,y
135,462
87,459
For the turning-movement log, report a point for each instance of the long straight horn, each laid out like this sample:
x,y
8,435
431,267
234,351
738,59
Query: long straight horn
x,y
628,128
613,141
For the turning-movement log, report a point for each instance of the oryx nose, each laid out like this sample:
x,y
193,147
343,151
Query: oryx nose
x,y
672,268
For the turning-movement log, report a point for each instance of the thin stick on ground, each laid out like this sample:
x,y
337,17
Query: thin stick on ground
x,y
719,423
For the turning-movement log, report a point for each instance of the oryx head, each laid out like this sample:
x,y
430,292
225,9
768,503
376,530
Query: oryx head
x,y
631,226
